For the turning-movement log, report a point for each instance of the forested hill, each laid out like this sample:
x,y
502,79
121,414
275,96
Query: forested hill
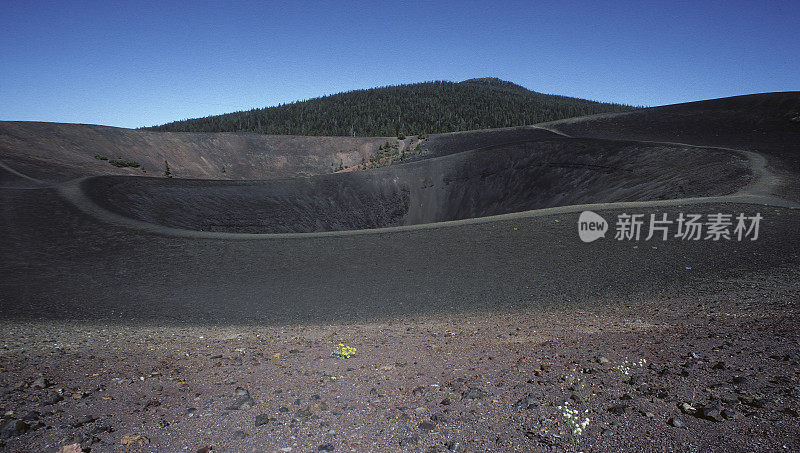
x,y
421,108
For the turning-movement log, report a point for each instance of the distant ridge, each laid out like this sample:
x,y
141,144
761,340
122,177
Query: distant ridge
x,y
494,82
420,108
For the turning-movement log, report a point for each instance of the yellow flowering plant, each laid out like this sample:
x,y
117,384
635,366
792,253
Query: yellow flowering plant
x,y
344,351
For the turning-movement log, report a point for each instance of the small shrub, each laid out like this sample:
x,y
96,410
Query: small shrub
x,y
100,157
401,137
121,163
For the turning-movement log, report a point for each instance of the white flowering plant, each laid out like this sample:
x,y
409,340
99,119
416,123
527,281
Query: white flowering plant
x,y
576,383
577,422
625,368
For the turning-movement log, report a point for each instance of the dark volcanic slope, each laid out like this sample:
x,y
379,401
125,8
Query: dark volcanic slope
x,y
489,181
768,123
59,263
59,152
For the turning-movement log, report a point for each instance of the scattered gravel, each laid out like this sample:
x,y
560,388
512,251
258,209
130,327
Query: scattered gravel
x,y
721,374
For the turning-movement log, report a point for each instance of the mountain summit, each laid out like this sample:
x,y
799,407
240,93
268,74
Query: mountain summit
x,y
494,82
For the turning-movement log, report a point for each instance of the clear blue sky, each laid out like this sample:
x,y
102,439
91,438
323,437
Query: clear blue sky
x,y
137,63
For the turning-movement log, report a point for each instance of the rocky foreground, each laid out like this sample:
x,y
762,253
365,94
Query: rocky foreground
x,y
716,368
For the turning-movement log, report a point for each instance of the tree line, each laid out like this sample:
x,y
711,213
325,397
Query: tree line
x,y
421,108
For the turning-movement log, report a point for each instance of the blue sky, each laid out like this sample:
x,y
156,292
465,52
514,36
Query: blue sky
x,y
134,63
